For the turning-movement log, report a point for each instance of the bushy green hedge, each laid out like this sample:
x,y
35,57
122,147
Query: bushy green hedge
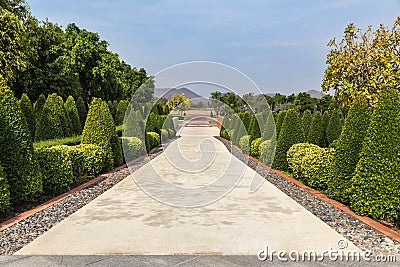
x,y
153,123
53,122
120,113
72,114
267,127
133,148
69,141
348,148
267,151
94,158
77,159
290,134
4,192
152,140
310,164
334,127
245,143
112,105
17,156
255,148
133,125
376,183
82,111
27,110
316,133
254,131
57,169
307,120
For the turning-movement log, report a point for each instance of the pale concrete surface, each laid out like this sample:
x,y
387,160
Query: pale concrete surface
x,y
125,220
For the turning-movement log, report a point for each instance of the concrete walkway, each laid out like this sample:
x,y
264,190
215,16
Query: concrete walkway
x,y
125,220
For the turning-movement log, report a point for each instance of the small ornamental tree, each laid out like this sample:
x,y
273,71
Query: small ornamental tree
x,y
279,121
348,150
316,134
27,110
291,133
53,122
307,120
376,184
120,113
17,156
82,111
100,130
73,116
334,127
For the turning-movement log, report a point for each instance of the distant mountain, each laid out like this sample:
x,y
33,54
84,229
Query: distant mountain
x,y
169,92
316,94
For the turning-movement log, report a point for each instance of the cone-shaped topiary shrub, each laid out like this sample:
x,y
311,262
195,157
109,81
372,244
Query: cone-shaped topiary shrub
x,y
112,105
27,110
53,122
348,150
267,126
334,127
82,111
121,110
17,156
376,184
73,116
325,122
290,134
316,134
37,108
307,120
133,125
254,131
4,192
279,122
239,130
100,130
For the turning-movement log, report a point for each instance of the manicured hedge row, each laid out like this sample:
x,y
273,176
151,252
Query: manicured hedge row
x,y
133,148
152,140
94,158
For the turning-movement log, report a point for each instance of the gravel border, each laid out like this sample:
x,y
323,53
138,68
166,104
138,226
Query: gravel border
x,y
25,231
362,235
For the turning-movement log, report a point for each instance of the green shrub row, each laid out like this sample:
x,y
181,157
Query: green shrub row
x,y
133,148
152,140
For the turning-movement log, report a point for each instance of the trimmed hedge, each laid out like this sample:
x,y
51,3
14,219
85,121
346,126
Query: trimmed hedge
x,y
334,127
4,192
291,133
255,148
152,140
133,148
307,121
348,149
69,141
120,113
37,108
316,134
94,158
267,152
295,156
72,113
244,144
133,125
153,123
17,156
325,122
82,111
268,128
281,117
27,110
376,184
53,122
254,131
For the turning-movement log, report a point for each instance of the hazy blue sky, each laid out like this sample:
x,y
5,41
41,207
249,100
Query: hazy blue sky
x,y
280,44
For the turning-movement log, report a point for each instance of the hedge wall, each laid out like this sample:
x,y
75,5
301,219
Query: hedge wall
x,y
133,148
94,158
17,156
376,184
348,150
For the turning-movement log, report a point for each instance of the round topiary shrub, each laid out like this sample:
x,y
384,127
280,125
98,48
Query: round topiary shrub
x,y
295,156
100,130
27,110
316,167
17,156
376,184
255,149
53,122
334,127
4,192
307,120
291,133
82,111
152,140
316,133
73,116
120,113
348,148
94,158
244,144
164,135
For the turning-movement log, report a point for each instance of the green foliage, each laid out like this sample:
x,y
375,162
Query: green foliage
x,y
116,147
179,102
94,158
38,107
77,159
325,122
348,150
134,125
279,122
73,116
52,123
100,130
133,148
244,144
307,121
171,133
120,113
153,123
112,105
17,156
254,130
152,140
295,156
267,126
255,148
334,127
69,141
27,110
226,125
267,152
375,184
164,135
4,192
57,169
316,134
291,133
82,112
